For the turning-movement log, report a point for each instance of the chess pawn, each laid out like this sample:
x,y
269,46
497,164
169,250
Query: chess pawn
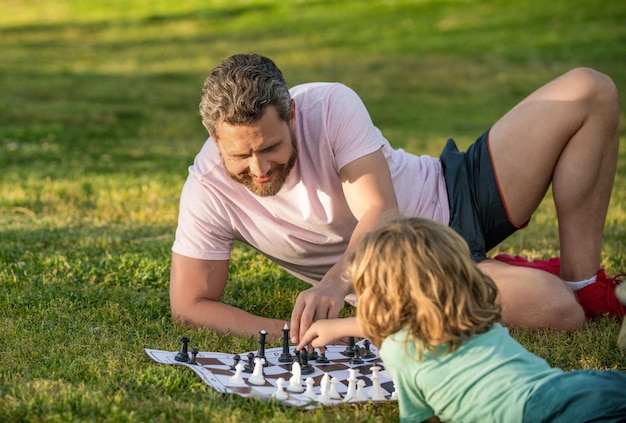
x,y
356,356
309,388
236,359
194,354
313,356
394,394
236,379
305,367
322,359
333,393
360,391
249,366
280,393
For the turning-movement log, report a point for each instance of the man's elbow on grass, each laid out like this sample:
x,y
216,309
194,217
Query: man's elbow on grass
x,y
182,316
185,314
199,313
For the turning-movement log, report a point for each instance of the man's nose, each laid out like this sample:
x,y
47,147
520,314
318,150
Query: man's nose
x,y
258,166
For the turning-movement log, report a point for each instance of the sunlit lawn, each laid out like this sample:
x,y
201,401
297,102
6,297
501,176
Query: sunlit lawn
x,y
98,123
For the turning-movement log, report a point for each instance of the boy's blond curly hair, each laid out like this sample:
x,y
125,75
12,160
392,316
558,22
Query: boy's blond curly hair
x,y
418,274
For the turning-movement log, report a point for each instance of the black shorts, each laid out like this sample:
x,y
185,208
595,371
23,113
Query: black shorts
x,y
477,210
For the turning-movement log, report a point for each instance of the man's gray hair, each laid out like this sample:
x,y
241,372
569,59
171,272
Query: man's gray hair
x,y
239,90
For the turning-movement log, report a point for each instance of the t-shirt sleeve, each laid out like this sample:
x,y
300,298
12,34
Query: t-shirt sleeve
x,y
202,230
350,128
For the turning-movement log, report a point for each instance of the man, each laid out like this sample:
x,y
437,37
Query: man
x,y
302,174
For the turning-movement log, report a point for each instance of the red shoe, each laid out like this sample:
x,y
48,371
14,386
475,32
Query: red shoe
x,y
552,265
596,299
620,292
599,298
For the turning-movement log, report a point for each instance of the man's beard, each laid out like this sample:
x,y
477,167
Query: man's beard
x,y
279,173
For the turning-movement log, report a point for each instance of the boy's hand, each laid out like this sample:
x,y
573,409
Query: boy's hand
x,y
328,331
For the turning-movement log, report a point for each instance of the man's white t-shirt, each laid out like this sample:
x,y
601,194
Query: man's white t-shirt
x,y
305,228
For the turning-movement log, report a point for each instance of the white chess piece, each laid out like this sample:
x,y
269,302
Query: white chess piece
x,y
333,393
295,382
376,393
280,393
236,379
360,391
351,394
394,394
257,377
309,388
324,396
324,387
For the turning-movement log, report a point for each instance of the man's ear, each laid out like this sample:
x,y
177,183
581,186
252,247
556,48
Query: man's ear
x,y
209,131
292,115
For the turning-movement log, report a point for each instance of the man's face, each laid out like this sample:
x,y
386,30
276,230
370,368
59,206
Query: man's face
x,y
259,156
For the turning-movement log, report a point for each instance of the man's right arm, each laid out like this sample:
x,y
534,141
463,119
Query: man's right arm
x,y
196,287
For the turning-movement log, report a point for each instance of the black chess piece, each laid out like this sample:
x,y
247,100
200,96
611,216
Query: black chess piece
x,y
349,351
194,353
236,359
368,355
313,355
356,358
183,354
305,367
249,367
285,357
261,352
322,359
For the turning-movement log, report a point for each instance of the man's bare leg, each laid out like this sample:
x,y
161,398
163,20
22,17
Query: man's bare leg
x,y
534,299
565,133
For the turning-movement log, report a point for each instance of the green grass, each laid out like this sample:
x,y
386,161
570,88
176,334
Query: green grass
x,y
98,123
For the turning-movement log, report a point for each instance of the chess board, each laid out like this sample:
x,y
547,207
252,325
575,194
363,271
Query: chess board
x,y
216,370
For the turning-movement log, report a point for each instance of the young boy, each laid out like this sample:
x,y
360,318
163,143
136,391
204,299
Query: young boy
x,y
435,317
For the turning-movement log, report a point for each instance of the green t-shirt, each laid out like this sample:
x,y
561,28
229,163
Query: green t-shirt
x,y
487,379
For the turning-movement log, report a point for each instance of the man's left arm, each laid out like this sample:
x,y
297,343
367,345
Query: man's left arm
x,y
370,194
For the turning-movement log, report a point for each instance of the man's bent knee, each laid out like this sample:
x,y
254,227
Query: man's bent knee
x,y
567,316
534,299
594,85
